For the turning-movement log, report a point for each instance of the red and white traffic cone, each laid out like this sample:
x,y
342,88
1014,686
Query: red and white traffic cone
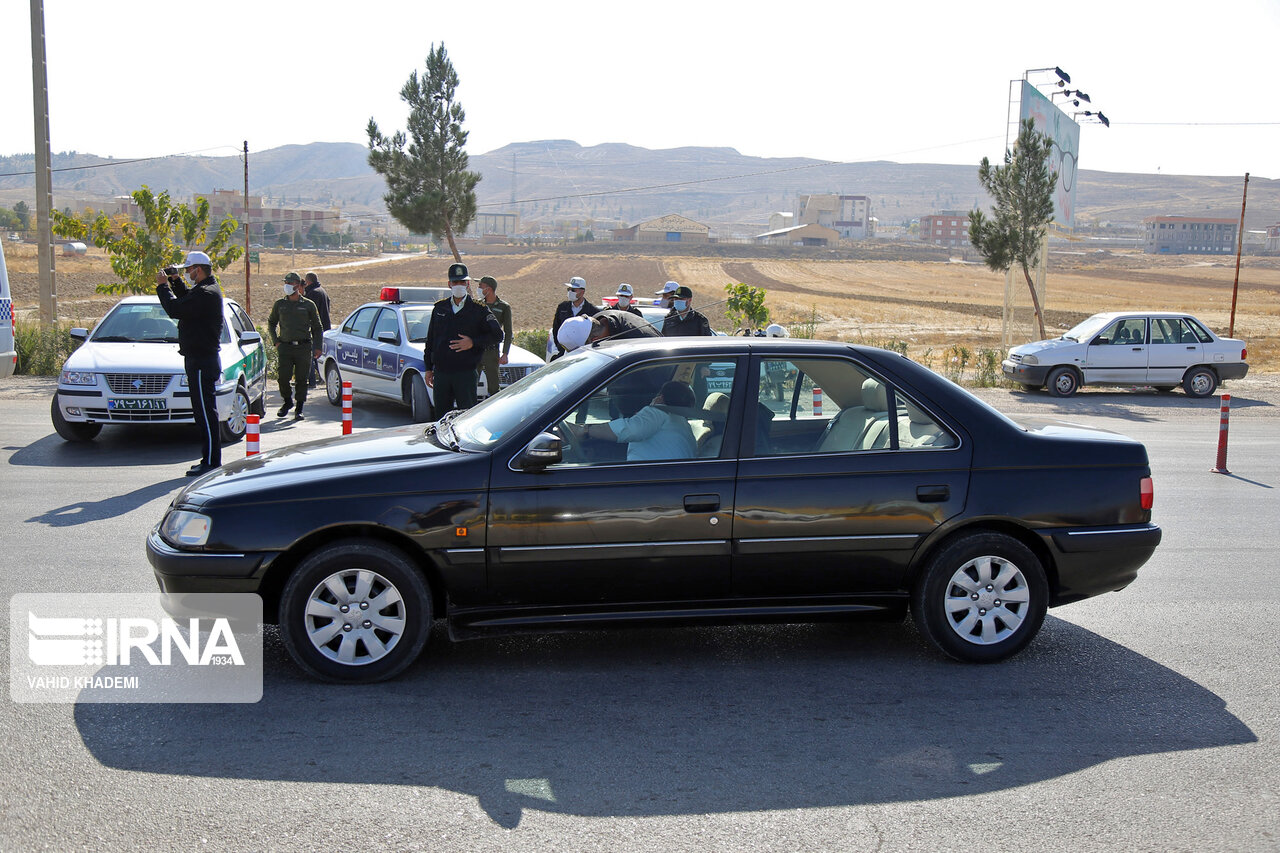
x,y
346,407
1223,422
817,402
251,435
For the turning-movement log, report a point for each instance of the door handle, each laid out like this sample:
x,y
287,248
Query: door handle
x,y
1137,349
933,494
701,503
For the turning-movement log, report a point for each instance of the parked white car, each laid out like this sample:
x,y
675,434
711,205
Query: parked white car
x,y
1162,349
129,371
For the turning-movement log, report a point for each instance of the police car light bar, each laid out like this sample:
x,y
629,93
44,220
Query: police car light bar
x,y
412,294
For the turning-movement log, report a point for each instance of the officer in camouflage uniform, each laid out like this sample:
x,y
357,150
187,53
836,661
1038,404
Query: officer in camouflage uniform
x,y
298,342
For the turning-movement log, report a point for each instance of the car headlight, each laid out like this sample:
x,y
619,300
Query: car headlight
x,y
183,528
1030,359
78,377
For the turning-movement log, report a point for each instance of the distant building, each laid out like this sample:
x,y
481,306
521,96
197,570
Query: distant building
x,y
949,228
848,215
672,228
778,221
495,224
801,235
1188,235
1272,244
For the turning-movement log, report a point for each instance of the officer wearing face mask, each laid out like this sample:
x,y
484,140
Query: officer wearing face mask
x,y
682,320
198,310
626,300
297,340
575,306
461,328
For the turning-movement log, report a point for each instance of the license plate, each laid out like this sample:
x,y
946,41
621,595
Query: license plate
x,y
137,404
1008,368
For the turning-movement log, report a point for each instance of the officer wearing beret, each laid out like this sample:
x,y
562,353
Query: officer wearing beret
x,y
460,330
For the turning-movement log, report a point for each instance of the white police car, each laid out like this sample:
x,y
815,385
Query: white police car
x,y
129,371
378,349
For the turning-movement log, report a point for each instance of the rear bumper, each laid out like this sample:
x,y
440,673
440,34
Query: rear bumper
x,y
1232,371
1094,560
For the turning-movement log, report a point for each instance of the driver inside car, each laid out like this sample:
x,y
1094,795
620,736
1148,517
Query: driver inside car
x,y
655,432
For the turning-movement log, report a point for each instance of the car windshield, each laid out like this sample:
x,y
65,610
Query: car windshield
x,y
479,428
1087,329
137,323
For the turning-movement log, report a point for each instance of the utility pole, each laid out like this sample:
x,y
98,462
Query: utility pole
x,y
1235,288
247,297
44,168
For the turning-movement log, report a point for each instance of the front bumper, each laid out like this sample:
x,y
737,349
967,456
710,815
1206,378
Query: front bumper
x,y
1094,560
195,571
1026,374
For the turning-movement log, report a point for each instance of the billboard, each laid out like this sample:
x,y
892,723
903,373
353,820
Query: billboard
x,y
1065,134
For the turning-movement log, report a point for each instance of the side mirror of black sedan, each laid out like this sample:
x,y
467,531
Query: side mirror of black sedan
x,y
544,450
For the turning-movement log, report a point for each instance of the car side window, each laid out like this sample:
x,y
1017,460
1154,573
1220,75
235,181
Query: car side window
x,y
246,324
359,323
386,322
623,421
1129,331
237,324
1199,331
1170,331
836,406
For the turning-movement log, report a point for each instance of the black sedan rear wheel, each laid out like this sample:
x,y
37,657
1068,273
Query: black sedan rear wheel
x,y
982,598
356,610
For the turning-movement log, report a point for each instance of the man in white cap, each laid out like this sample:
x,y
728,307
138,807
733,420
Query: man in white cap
x,y
667,294
198,310
575,306
626,297
610,324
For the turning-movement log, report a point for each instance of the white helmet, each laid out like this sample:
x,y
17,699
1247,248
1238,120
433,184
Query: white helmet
x,y
775,331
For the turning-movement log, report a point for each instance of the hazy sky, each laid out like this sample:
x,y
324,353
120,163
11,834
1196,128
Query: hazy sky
x,y
1187,85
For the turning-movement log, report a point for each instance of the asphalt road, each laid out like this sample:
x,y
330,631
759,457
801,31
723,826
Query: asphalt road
x,y
1144,720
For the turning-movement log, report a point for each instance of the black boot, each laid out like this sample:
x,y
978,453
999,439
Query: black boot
x,y
284,410
297,413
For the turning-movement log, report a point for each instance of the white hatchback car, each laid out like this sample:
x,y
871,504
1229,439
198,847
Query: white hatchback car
x,y
129,371
1162,349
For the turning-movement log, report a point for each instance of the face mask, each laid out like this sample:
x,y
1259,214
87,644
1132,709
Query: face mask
x,y
288,290
623,302
458,290
575,297
681,304
191,277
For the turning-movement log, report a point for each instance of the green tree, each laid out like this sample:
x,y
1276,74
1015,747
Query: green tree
x,y
1023,193
138,252
429,188
745,306
23,213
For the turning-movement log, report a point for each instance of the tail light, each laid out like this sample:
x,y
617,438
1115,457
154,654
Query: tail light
x,y
1244,353
1147,493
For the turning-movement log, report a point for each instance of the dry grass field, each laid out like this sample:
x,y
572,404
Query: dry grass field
x,y
926,305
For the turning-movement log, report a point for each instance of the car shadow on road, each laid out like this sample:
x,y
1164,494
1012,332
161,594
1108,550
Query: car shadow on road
x,y
687,721
1138,404
115,447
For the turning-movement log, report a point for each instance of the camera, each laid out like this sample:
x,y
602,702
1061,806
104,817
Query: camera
x,y
171,272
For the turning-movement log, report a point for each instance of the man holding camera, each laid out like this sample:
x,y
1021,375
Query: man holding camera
x,y
298,341
198,310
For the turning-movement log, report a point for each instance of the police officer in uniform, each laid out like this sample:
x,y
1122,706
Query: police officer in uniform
x,y
626,300
610,324
575,306
682,321
460,330
502,313
316,293
198,310
297,341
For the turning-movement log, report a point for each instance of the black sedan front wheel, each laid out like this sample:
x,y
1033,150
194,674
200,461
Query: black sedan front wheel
x,y
982,598
355,611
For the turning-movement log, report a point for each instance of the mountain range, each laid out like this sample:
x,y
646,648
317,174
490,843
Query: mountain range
x,y
617,184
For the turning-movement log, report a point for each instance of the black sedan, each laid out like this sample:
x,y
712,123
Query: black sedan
x,y
619,486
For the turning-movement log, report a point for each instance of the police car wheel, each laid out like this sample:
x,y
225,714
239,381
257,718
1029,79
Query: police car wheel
x,y
355,611
233,428
419,400
333,384
72,431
